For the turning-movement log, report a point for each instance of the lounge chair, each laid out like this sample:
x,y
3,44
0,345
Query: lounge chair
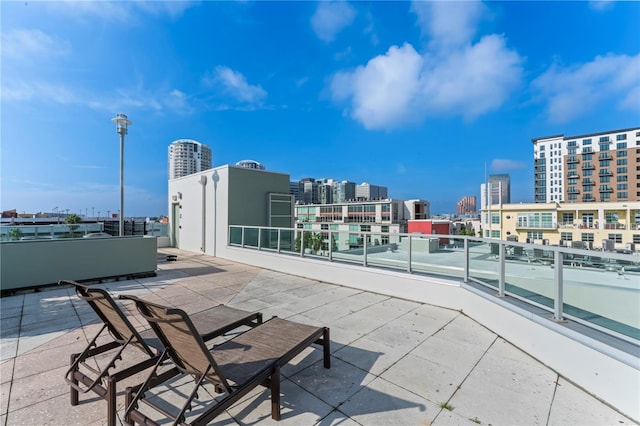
x,y
234,368
83,377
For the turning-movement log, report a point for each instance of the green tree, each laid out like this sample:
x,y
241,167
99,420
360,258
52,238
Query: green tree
x,y
15,234
315,241
72,220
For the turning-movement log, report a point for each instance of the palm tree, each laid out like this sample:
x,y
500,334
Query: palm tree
x,y
73,219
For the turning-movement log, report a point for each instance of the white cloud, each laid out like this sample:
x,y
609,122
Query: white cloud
x,y
171,100
453,76
500,164
403,86
118,11
573,91
601,5
31,44
235,85
384,91
448,23
173,9
330,18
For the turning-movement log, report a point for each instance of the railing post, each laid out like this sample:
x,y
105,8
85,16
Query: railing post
x,y
364,252
259,238
279,236
557,300
302,243
466,259
330,246
501,281
409,259
242,237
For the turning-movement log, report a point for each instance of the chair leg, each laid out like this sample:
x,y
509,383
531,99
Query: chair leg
x,y
111,401
275,394
128,397
326,347
74,392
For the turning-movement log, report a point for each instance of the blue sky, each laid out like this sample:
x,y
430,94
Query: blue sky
x,y
420,97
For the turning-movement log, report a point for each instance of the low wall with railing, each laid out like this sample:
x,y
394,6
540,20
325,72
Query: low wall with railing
x,y
32,263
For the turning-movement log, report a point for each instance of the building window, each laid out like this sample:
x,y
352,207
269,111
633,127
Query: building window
x,y
566,236
622,137
636,238
617,238
587,237
621,145
495,218
535,220
324,226
622,186
534,235
365,228
621,170
622,195
495,234
621,154
622,178
588,141
567,218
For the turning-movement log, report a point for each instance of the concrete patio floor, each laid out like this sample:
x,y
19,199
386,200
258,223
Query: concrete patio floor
x,y
394,362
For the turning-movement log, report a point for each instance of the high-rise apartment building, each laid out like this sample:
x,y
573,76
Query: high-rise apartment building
x,y
186,157
601,167
250,164
366,191
466,205
497,190
329,191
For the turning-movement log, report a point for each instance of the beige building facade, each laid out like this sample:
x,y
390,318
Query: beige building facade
x,y
565,223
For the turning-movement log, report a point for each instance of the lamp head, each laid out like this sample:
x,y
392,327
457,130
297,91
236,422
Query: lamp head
x,y
121,123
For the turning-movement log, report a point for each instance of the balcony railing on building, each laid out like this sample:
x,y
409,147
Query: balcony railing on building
x,y
598,288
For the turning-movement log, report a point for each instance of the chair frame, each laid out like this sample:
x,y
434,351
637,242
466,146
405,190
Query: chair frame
x,y
178,321
124,334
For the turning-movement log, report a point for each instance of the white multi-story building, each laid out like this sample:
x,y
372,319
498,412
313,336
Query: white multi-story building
x,y
250,164
187,157
601,166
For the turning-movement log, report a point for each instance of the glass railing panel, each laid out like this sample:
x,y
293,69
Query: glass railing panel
x,y
251,237
157,229
350,247
287,240
235,235
54,231
530,274
437,255
483,262
604,290
268,239
385,250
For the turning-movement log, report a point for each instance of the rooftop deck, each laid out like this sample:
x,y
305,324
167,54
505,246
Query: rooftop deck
x,y
394,361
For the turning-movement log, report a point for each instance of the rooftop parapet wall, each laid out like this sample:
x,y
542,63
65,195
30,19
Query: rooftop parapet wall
x,y
25,264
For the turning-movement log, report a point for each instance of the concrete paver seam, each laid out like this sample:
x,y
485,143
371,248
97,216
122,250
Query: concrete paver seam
x,y
553,398
446,403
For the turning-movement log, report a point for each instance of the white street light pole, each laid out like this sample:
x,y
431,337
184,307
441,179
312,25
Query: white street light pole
x,y
121,127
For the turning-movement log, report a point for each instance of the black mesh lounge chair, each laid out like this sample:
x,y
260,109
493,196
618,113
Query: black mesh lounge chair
x,y
234,368
83,377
